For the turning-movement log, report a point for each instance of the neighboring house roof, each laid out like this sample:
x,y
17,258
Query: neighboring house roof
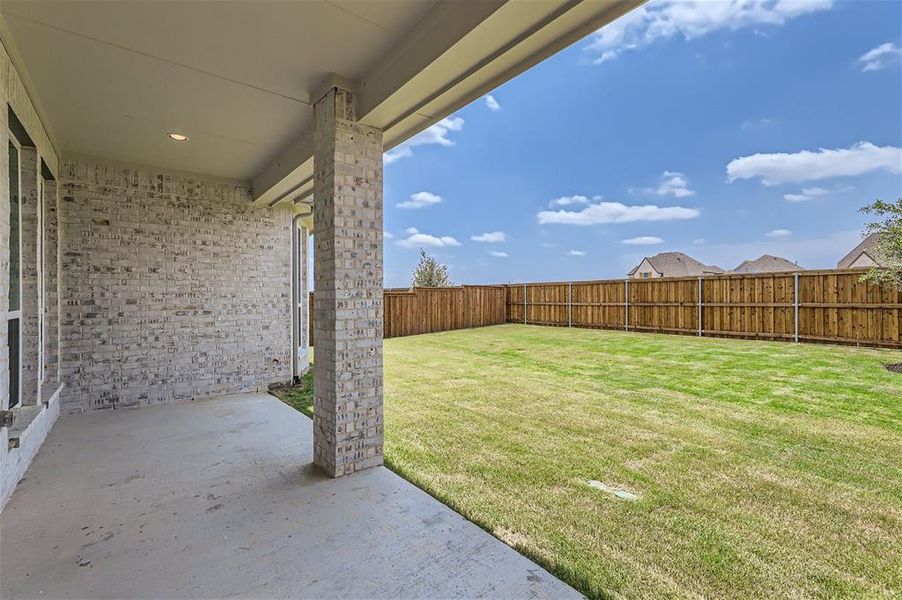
x,y
767,263
867,246
677,264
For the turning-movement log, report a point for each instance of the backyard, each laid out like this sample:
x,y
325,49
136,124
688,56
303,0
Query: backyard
x,y
720,467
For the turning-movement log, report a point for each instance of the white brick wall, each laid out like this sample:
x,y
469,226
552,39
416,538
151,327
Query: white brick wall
x,y
51,286
172,288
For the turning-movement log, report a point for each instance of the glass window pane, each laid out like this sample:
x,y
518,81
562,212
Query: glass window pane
x,y
14,260
12,331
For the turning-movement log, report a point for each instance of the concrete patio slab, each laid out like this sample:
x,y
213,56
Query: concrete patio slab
x,y
219,498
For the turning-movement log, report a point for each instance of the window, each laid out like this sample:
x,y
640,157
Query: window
x,y
646,275
14,316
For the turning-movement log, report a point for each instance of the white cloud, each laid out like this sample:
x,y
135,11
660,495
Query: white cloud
x,y
418,240
492,103
576,253
490,237
755,123
690,19
548,245
498,254
699,241
806,194
615,212
387,235
437,134
674,184
779,233
420,199
642,240
806,165
397,154
571,200
880,57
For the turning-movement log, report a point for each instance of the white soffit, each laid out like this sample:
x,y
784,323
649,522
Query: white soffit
x,y
113,78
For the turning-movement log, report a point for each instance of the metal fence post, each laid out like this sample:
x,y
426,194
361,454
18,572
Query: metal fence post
x,y
700,283
626,324
795,303
524,304
570,305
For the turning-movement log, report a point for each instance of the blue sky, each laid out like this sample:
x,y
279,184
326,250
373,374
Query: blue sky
x,y
725,130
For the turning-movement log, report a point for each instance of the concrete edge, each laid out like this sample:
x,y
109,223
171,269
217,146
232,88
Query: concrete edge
x,y
14,462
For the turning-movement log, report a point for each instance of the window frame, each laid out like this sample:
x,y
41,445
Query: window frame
x,y
15,314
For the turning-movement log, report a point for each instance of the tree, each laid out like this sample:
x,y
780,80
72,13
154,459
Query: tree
x,y
430,273
888,227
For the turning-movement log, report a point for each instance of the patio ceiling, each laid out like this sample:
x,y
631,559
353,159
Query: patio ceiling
x,y
112,79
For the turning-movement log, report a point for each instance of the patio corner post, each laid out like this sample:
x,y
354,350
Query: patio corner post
x,y
347,272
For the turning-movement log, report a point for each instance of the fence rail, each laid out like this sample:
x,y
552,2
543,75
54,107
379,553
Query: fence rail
x,y
809,306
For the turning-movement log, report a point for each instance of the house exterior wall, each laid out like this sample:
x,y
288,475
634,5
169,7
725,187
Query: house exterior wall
x,y
645,270
14,459
173,287
864,261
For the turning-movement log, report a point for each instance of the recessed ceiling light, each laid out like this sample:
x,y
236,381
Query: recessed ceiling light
x,y
178,137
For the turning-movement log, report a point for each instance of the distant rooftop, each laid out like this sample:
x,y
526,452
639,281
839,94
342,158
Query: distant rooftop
x,y
867,246
767,263
677,264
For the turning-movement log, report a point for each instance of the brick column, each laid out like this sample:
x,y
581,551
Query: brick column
x,y
347,271
51,281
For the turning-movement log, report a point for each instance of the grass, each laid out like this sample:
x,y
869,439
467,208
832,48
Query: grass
x,y
762,469
298,396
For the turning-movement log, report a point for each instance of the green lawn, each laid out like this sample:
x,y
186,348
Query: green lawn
x,y
761,469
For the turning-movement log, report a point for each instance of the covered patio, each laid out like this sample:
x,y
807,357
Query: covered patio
x,y
163,167
219,498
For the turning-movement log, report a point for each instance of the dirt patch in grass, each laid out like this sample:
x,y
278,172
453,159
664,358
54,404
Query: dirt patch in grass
x,y
895,368
510,537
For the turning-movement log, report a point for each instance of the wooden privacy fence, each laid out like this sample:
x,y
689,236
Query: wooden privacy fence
x,y
427,310
810,306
